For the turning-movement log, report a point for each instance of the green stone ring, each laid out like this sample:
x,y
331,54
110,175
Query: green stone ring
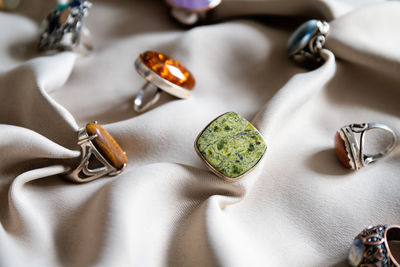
x,y
230,146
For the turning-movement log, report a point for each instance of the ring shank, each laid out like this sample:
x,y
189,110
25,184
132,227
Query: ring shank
x,y
369,158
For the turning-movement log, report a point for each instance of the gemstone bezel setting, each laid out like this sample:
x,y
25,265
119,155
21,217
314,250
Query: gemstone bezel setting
x,y
161,82
230,146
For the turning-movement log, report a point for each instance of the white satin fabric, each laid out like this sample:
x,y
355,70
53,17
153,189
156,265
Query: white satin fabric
x,y
299,207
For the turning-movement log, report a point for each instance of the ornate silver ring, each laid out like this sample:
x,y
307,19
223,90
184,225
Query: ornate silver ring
x,y
101,155
63,29
306,42
349,144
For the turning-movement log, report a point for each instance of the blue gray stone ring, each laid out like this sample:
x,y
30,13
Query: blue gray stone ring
x,y
307,41
63,29
372,247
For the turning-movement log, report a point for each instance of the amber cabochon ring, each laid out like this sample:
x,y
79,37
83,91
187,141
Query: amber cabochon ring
x,y
162,73
101,155
350,141
230,146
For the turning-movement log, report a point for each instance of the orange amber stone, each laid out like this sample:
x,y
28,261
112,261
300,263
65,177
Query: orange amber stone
x,y
341,152
168,68
107,146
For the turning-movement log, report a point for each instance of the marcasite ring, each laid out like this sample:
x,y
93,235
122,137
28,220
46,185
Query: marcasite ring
x,y
101,155
63,29
350,151
230,146
162,74
371,248
190,12
306,42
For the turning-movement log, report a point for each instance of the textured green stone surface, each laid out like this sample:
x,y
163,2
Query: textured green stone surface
x,y
231,145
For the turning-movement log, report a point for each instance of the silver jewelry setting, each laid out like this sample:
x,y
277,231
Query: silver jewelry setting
x,y
355,148
306,43
83,173
63,29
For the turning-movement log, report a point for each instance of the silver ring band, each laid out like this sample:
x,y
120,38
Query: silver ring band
x,y
346,143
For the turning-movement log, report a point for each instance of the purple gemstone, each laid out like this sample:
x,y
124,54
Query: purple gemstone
x,y
194,5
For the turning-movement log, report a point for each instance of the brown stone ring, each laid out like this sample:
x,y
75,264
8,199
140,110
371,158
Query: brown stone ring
x,y
162,74
350,151
101,155
372,247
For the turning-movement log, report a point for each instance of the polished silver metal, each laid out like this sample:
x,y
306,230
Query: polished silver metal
x,y
83,173
70,35
153,79
355,148
311,45
190,17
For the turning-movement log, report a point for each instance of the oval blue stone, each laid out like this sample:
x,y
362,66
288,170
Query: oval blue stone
x,y
299,39
194,5
356,252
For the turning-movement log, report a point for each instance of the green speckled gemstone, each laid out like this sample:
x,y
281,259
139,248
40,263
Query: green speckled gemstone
x,y
231,145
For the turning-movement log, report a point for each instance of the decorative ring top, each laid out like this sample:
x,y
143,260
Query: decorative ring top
x,y
371,247
63,29
307,41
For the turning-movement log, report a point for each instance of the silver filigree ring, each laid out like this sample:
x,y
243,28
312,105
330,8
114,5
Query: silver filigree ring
x,y
349,144
308,40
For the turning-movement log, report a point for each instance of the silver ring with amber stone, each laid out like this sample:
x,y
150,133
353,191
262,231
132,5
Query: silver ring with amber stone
x,y
163,74
230,146
63,29
101,155
306,42
190,12
372,247
9,4
350,140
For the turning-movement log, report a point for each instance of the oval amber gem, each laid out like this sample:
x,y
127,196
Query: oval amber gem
x,y
107,146
341,152
168,68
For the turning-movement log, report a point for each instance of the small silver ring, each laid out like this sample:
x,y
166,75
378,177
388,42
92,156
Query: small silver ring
x,y
63,29
350,151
